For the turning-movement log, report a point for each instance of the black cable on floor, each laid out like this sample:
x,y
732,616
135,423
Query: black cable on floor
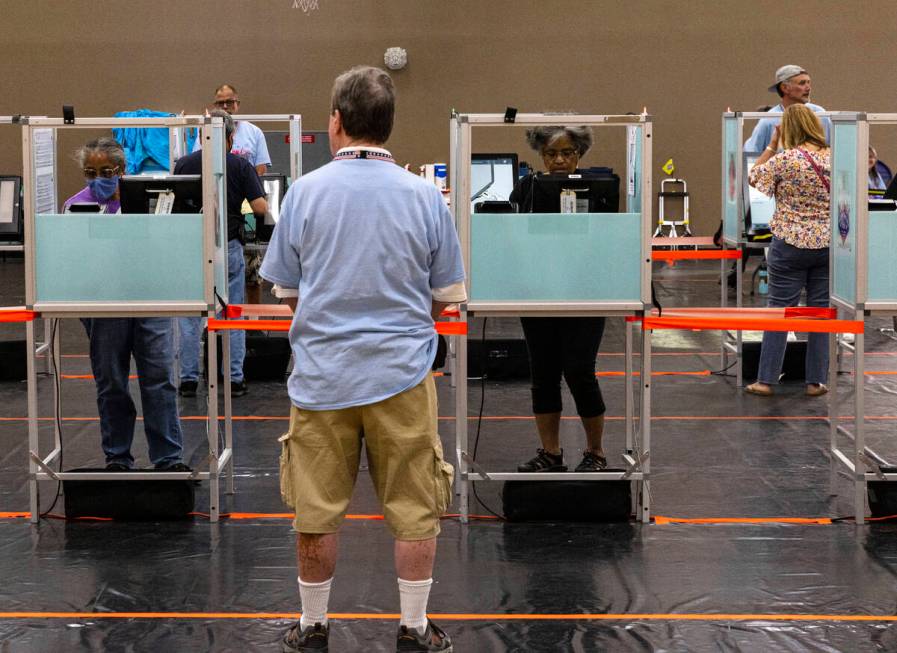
x,y
722,372
476,440
51,352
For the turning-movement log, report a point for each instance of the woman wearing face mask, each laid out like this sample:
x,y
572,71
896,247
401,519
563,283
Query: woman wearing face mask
x,y
114,340
562,346
103,163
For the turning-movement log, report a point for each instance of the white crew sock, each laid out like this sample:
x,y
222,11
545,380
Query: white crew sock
x,y
315,597
413,596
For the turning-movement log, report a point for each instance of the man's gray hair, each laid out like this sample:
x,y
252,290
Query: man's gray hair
x,y
582,137
366,100
109,147
229,126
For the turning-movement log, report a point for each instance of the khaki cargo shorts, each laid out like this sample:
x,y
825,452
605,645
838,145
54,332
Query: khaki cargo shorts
x,y
321,453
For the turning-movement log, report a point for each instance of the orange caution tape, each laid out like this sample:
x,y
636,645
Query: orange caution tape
x,y
249,325
451,328
17,315
743,520
444,328
811,311
753,324
695,255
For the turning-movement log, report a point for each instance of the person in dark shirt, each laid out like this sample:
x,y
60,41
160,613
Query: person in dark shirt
x,y
243,184
562,346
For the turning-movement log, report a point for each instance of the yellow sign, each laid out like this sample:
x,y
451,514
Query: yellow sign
x,y
669,167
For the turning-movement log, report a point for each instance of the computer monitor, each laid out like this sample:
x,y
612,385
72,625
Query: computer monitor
x,y
575,193
11,209
275,187
492,178
760,206
161,194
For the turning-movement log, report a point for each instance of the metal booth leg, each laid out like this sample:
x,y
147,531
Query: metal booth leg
x,y
461,448
833,412
628,395
859,419
33,444
644,506
228,411
212,425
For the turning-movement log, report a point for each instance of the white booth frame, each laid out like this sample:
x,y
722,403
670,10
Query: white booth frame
x,y
220,460
637,450
862,462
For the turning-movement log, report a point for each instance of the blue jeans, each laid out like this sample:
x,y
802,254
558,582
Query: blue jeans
x,y
792,269
151,341
191,327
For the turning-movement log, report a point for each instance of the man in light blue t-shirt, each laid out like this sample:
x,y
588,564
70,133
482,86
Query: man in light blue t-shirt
x,y
249,140
372,253
792,83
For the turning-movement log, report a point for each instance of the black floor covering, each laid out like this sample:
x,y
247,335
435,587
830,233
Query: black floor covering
x,y
716,453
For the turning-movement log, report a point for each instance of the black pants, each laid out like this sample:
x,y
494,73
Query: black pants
x,y
564,346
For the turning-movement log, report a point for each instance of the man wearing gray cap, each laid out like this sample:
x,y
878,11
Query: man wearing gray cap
x,y
792,83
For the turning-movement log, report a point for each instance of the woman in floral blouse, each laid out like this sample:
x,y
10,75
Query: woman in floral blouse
x,y
798,258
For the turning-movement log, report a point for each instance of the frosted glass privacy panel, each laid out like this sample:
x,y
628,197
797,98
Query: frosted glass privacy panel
x,y
83,257
555,257
844,211
882,274
732,225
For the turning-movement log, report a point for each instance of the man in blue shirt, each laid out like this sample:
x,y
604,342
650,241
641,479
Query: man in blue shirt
x,y
249,140
792,83
373,256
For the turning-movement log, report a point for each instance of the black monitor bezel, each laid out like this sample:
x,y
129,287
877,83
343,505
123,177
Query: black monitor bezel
x,y
14,231
543,180
147,182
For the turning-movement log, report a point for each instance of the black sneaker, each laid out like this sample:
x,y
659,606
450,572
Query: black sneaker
x,y
544,462
433,639
177,467
238,388
313,638
591,462
117,467
188,388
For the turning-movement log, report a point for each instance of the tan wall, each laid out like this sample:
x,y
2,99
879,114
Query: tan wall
x,y
685,62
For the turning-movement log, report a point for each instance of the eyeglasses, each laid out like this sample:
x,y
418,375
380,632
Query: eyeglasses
x,y
230,102
566,153
106,173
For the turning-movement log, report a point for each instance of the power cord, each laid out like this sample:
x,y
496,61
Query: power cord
x,y
51,352
476,440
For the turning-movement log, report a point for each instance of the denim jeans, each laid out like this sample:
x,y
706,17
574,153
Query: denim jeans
x,y
151,341
792,269
191,327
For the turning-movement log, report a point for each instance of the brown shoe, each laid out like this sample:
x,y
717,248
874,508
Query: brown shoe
x,y
758,388
816,389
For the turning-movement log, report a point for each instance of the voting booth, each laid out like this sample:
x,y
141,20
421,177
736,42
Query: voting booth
x,y
558,264
162,263
863,284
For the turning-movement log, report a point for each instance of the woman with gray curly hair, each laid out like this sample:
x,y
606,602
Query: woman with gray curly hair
x,y
113,340
562,346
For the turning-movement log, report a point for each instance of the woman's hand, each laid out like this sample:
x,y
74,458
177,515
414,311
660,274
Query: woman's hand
x,y
776,136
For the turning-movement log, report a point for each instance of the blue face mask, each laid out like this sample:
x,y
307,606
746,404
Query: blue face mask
x,y
103,188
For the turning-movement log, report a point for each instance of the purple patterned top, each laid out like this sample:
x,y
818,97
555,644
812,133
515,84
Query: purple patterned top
x,y
86,195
